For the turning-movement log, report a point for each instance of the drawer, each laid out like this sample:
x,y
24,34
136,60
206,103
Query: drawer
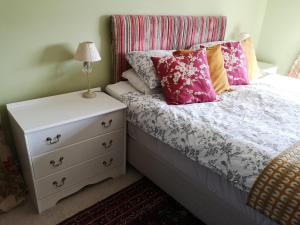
x,y
70,155
56,137
74,175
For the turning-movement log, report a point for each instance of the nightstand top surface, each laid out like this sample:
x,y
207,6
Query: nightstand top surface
x,y
43,113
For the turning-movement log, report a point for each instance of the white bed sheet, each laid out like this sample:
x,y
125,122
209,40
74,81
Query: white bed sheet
x,y
120,88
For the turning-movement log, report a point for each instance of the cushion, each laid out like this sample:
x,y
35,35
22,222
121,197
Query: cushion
x,y
252,66
235,63
141,62
185,78
137,82
217,71
234,60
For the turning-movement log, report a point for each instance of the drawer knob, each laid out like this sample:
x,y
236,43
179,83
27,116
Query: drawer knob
x,y
108,164
62,182
54,140
56,164
107,145
106,125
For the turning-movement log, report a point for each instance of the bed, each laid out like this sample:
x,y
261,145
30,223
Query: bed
x,y
214,194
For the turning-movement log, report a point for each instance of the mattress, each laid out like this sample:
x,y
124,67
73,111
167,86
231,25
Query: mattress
x,y
200,175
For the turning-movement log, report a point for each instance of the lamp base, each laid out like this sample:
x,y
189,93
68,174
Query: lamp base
x,y
89,94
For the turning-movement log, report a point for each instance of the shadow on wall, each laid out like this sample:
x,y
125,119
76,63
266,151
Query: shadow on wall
x,y
65,72
58,54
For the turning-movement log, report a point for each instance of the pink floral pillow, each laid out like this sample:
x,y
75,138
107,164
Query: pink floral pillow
x,y
185,79
235,63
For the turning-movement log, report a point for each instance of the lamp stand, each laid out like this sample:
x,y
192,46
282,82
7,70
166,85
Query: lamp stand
x,y
87,69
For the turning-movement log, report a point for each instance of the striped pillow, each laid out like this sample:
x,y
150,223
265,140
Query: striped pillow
x,y
141,62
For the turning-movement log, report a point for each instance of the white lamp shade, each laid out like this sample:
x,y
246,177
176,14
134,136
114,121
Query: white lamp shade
x,y
87,52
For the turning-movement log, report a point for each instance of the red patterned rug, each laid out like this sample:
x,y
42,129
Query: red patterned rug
x,y
142,203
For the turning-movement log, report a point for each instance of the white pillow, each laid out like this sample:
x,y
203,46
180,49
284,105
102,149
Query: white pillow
x,y
134,79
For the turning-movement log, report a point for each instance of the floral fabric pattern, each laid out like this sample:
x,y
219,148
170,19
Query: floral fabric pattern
x,y
235,63
12,187
234,60
235,137
185,78
141,62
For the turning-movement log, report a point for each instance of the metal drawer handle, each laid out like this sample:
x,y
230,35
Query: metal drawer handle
x,y
106,125
54,140
107,164
54,164
106,146
62,182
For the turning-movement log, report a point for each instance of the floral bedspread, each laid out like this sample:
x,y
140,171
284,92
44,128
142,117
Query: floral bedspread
x,y
235,137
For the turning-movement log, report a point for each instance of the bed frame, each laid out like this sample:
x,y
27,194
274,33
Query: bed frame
x,y
131,33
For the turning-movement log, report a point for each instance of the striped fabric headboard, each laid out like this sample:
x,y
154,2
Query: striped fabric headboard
x,y
141,33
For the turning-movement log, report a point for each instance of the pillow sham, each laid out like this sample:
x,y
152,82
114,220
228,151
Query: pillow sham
x,y
252,66
137,83
185,78
217,71
234,60
141,62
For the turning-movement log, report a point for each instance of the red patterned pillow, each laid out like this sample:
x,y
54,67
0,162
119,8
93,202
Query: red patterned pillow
x,y
185,79
235,63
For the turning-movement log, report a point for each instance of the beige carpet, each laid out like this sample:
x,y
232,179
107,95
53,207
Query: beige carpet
x,y
26,214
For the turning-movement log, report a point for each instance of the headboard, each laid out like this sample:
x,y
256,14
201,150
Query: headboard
x,y
141,33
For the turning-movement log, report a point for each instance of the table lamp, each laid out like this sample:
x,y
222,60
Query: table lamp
x,y
87,53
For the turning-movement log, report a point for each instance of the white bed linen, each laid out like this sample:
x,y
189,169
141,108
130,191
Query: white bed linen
x,y
120,88
235,137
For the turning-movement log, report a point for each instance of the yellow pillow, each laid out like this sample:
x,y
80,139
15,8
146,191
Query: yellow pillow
x,y
253,70
217,71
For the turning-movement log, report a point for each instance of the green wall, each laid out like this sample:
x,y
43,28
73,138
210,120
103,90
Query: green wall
x,y
279,41
38,38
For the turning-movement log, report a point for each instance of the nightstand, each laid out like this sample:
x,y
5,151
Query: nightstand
x,y
66,142
266,68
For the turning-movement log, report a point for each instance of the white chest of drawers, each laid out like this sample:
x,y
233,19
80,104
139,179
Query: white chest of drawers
x,y
66,142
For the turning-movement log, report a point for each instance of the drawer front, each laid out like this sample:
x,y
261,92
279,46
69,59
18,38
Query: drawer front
x,y
56,137
65,157
74,175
